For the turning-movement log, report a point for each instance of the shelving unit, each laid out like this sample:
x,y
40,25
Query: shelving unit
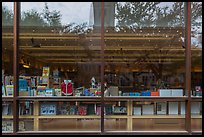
x,y
129,102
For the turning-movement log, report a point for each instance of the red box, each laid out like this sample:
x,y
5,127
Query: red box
x,y
155,93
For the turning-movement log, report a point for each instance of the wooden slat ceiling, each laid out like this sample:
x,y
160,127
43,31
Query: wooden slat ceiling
x,y
158,44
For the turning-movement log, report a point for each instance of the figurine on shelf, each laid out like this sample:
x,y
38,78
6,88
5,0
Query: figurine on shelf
x,y
67,88
93,82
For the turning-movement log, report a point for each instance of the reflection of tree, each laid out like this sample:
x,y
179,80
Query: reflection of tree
x,y
53,18
151,14
46,18
134,15
32,18
7,16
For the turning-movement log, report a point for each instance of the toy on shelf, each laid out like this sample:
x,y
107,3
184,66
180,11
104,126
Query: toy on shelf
x,y
67,88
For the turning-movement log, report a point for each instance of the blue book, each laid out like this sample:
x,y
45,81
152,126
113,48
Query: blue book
x,y
23,85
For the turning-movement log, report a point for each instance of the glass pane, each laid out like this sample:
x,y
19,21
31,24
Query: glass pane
x,y
59,58
7,66
196,48
157,116
145,56
196,116
196,64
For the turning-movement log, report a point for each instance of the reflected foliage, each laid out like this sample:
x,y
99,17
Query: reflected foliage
x,y
53,18
151,14
32,18
7,16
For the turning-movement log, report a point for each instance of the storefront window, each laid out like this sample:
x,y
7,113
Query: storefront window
x,y
101,67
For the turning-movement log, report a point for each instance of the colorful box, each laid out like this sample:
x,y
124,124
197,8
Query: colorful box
x,y
176,92
154,93
132,94
137,93
125,94
164,92
146,93
49,92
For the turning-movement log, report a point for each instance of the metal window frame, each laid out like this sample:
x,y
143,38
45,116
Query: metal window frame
x,y
16,99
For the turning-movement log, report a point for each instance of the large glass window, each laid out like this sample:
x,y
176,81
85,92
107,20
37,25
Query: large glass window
x,y
79,75
59,58
144,58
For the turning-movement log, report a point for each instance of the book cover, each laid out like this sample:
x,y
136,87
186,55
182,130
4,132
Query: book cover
x,y
3,90
5,109
46,72
9,90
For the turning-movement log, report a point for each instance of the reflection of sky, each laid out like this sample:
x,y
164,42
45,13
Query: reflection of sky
x,y
77,12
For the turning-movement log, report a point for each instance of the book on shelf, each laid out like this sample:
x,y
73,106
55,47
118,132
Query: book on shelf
x,y
2,79
48,109
147,109
9,90
41,90
161,108
3,90
25,108
137,110
49,92
173,108
5,109
4,125
58,92
9,125
46,72
55,73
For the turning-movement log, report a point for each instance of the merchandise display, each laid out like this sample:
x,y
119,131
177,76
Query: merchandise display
x,y
48,109
137,111
9,90
7,125
173,108
147,109
129,69
161,108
